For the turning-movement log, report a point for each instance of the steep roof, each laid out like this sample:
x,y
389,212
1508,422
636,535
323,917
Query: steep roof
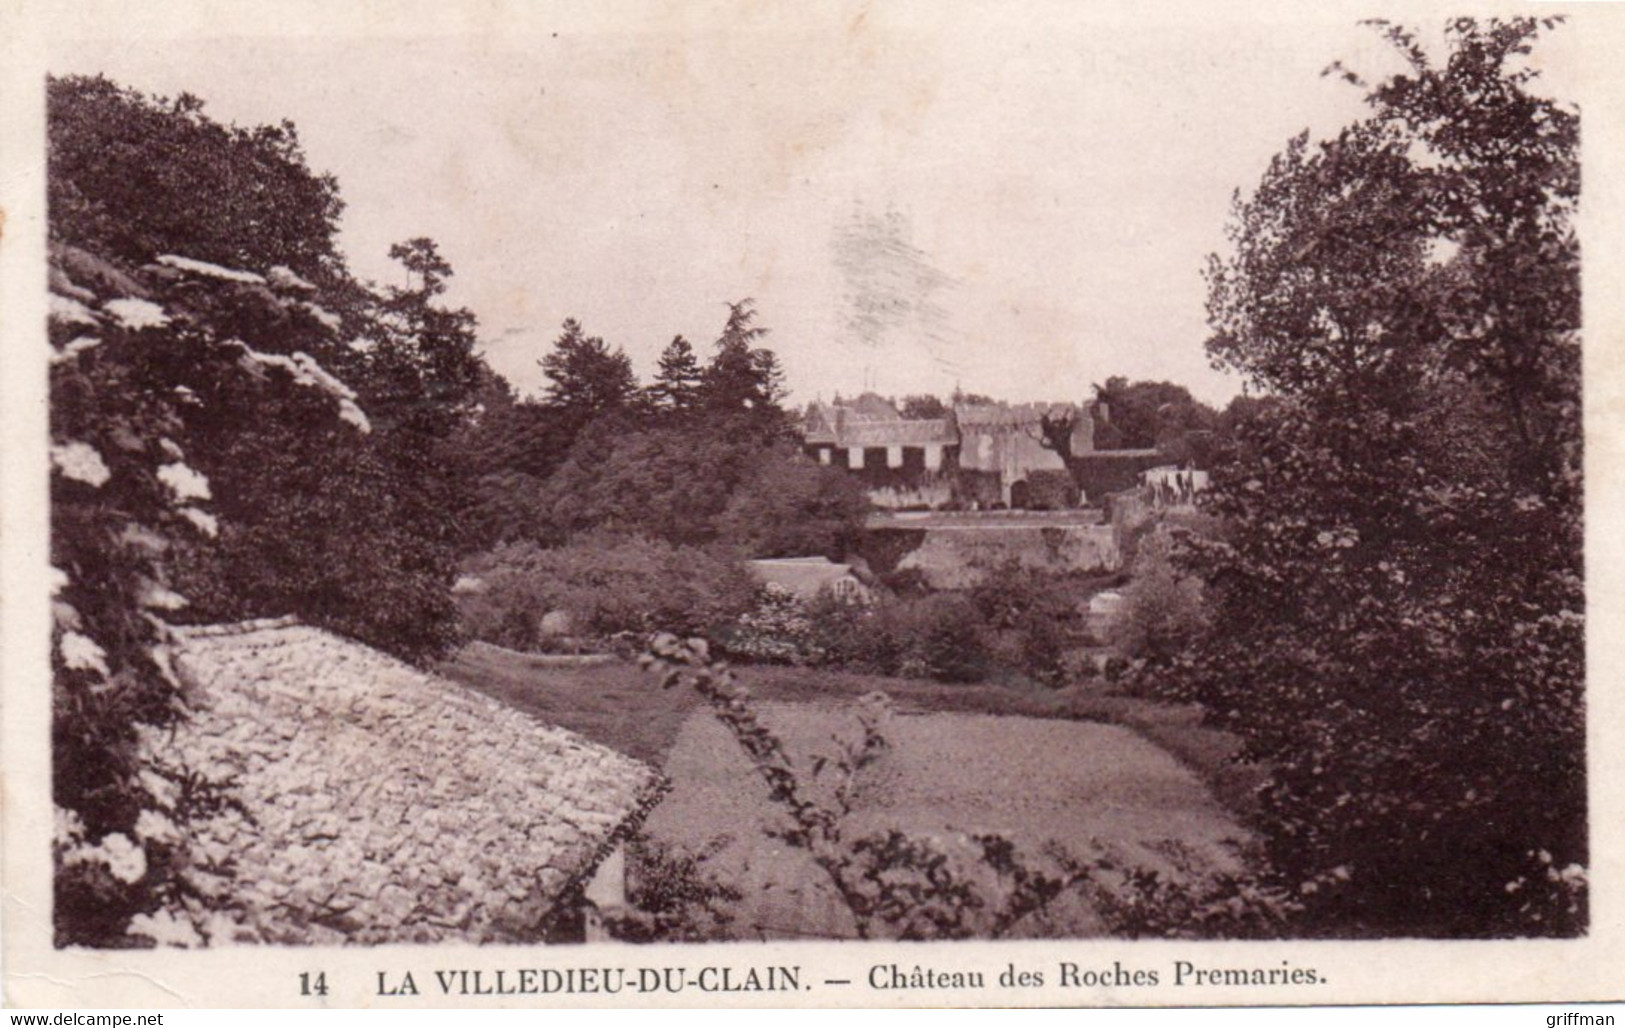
x,y
898,433
384,803
873,406
970,415
872,421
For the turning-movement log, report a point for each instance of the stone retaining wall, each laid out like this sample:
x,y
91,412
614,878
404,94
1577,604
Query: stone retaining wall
x,y
956,557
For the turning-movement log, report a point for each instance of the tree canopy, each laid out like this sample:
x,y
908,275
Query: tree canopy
x,y
744,381
133,177
1398,632
241,429
587,378
679,379
1148,415
922,407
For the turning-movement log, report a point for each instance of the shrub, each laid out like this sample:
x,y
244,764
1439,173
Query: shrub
x,y
1163,611
854,638
938,637
935,636
674,896
906,582
1018,620
778,629
607,585
1035,616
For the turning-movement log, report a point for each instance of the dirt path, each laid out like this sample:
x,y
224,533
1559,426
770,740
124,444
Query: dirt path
x,y
1035,781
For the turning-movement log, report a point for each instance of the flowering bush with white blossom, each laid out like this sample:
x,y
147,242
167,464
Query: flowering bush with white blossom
x,y
126,504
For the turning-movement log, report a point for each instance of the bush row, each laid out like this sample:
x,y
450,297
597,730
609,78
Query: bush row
x,y
528,597
1018,622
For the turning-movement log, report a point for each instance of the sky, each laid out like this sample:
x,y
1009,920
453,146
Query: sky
x,y
1016,200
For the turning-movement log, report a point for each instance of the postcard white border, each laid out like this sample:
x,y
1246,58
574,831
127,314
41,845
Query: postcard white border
x,y
1394,971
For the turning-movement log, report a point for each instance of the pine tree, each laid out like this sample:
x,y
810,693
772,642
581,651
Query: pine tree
x,y
588,378
745,380
680,379
732,381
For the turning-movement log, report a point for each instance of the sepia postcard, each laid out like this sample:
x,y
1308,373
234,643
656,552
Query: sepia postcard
x,y
732,504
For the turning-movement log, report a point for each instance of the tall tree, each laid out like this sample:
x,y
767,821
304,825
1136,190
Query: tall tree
x,y
971,399
731,384
588,378
1398,633
424,371
744,380
678,379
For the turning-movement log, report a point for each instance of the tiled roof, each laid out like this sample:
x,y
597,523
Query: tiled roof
x,y
1009,413
897,433
871,420
384,803
841,426
872,406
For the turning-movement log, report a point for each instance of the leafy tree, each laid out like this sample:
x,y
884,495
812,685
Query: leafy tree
x,y
1398,628
923,407
530,437
788,506
1148,415
133,177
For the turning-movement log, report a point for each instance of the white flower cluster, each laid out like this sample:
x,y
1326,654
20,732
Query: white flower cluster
x,y
183,482
211,270
65,310
74,348
123,858
80,462
82,653
305,371
285,278
202,520
136,314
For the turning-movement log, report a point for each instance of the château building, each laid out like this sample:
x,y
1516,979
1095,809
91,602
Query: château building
x,y
979,455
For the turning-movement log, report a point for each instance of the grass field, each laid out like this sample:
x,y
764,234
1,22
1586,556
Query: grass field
x,y
620,706
1039,783
615,704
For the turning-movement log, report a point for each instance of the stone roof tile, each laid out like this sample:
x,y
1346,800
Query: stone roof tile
x,y
363,778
